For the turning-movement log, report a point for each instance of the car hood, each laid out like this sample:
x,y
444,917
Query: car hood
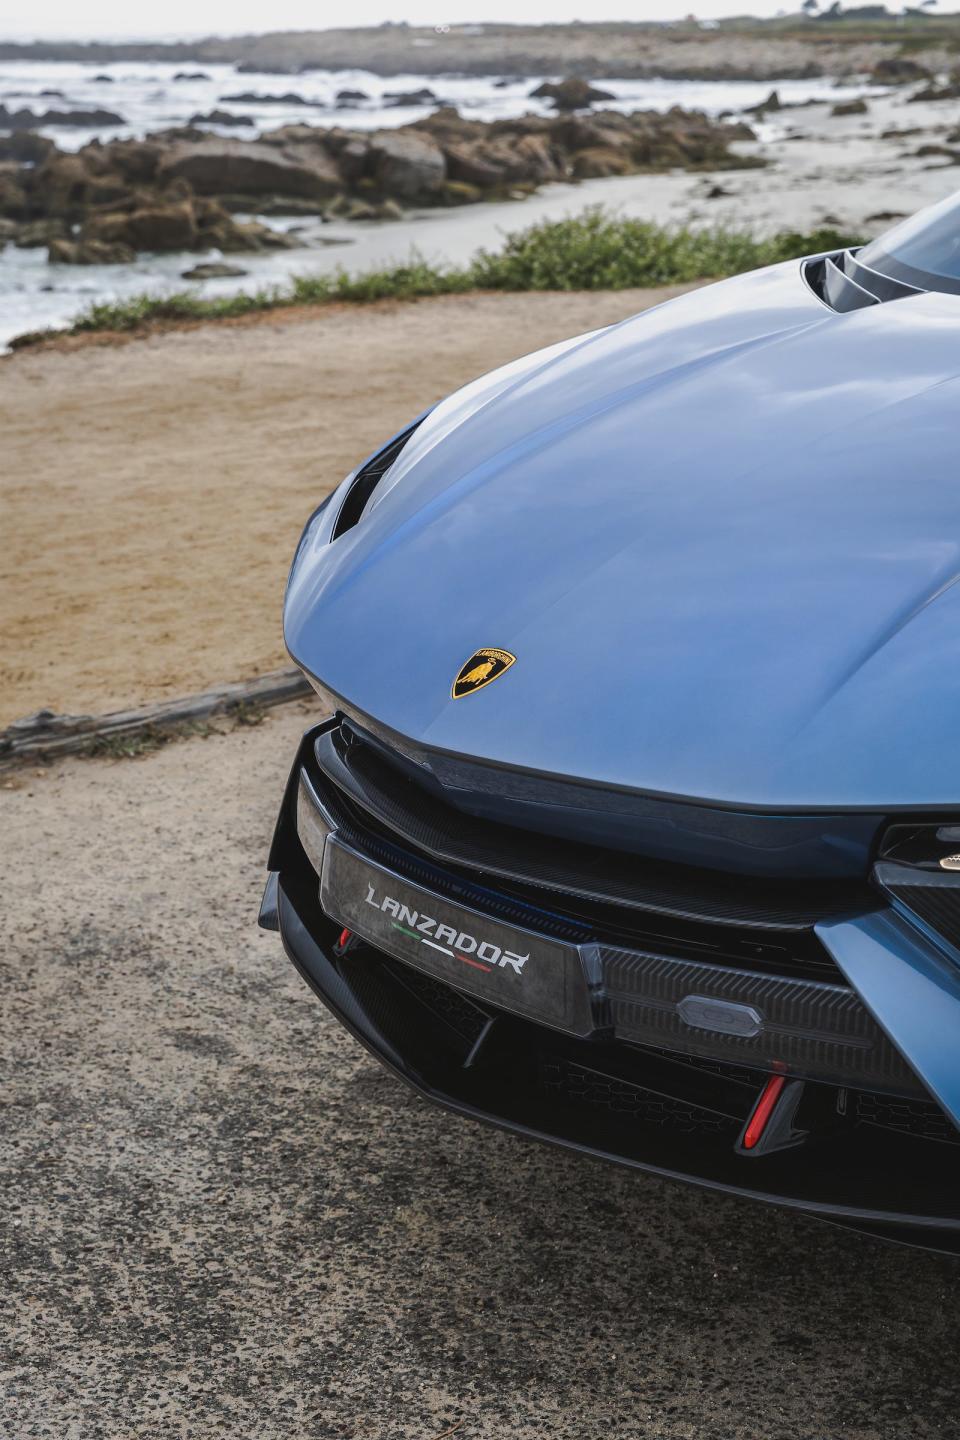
x,y
721,539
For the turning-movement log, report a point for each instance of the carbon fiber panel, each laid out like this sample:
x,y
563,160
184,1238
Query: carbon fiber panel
x,y
799,1027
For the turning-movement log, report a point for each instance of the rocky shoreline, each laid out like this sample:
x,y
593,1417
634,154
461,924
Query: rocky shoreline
x,y
182,189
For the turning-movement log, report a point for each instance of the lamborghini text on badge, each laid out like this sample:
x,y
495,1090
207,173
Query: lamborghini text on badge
x,y
457,944
483,667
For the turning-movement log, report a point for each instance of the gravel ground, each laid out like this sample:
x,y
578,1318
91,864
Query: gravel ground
x,y
222,1219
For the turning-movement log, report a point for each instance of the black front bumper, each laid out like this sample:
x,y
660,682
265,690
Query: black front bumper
x,y
874,1160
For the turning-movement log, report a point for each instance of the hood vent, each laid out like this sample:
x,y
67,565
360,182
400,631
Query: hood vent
x,y
843,283
367,479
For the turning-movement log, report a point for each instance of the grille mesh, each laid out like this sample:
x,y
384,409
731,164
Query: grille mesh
x,y
921,1118
578,1085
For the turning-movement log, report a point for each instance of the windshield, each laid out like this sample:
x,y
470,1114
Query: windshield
x,y
923,251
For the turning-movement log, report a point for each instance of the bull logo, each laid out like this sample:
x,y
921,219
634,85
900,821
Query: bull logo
x,y
483,667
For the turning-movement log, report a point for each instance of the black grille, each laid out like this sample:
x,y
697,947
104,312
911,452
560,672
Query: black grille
x,y
578,1085
544,862
922,1118
451,1006
782,953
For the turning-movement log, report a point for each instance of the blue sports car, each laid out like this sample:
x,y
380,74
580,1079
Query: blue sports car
x,y
633,820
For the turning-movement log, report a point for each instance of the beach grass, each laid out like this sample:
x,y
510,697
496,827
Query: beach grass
x,y
595,250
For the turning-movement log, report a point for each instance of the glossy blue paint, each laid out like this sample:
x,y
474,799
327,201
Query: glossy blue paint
x,y
722,540
911,989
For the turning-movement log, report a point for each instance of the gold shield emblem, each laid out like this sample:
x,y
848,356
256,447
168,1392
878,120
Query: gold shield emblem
x,y
483,667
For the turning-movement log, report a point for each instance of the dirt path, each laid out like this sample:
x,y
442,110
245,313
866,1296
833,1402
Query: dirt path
x,y
222,1219
151,494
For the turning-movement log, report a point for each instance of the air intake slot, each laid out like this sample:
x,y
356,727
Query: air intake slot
x,y
368,477
881,287
843,283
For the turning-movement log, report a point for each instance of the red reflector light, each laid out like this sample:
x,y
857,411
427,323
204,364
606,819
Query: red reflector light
x,y
763,1109
344,939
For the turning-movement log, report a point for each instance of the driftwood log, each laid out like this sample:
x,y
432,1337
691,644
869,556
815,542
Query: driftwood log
x,y
46,735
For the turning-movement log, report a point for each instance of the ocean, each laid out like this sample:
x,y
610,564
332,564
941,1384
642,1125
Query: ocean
x,y
34,294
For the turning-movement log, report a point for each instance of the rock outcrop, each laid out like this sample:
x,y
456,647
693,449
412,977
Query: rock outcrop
x,y
179,190
239,167
896,70
933,91
250,97
83,119
570,94
219,117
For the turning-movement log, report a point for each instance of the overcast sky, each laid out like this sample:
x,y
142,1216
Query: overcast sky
x,y
111,19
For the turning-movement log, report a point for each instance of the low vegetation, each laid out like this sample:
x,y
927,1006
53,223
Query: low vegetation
x,y
593,251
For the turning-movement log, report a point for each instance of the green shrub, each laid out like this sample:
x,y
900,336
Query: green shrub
x,y
591,251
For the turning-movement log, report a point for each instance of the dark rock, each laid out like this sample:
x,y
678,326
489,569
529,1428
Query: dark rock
x,y
26,147
52,95
346,98
61,184
929,152
213,270
885,217
253,236
950,91
136,160
851,107
191,75
407,165
395,98
299,133
151,227
570,94
176,190
772,102
717,192
249,97
27,120
220,117
89,252
37,233
499,163
894,70
13,197
103,80
162,227
598,162
460,192
252,168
